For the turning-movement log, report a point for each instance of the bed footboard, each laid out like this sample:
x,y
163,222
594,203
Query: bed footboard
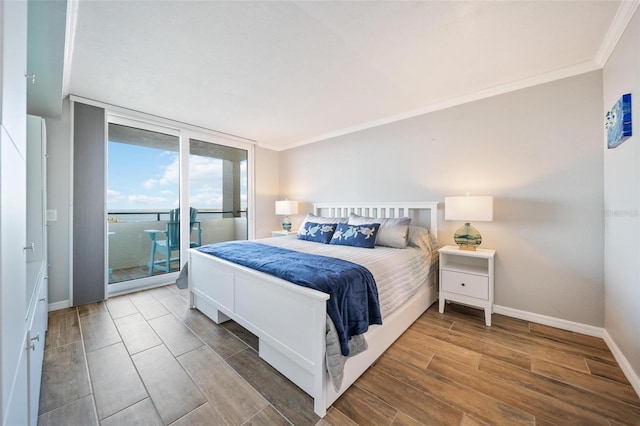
x,y
289,320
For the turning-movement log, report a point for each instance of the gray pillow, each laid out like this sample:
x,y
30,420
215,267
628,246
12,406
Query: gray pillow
x,y
392,232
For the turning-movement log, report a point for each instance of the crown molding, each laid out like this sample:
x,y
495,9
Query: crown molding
x,y
476,96
616,29
622,18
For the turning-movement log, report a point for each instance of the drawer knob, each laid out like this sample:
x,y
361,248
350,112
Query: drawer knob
x,y
462,284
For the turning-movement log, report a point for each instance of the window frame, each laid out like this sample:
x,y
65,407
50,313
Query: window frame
x,y
184,132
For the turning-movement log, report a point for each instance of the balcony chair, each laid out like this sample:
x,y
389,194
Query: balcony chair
x,y
171,240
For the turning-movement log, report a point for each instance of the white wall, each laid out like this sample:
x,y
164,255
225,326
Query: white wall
x,y
622,203
267,185
58,193
538,151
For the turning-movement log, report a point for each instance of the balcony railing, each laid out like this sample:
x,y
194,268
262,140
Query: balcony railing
x,y
159,215
130,245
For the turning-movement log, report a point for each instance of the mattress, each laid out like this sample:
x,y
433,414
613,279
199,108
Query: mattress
x,y
398,273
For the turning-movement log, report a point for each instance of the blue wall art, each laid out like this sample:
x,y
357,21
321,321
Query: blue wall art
x,y
618,122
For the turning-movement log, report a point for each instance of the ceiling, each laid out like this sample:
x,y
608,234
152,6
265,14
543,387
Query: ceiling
x,y
288,73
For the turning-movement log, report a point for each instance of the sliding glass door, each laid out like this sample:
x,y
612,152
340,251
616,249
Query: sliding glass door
x,y
170,189
143,193
218,190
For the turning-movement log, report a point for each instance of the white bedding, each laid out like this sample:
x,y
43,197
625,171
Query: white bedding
x,y
398,273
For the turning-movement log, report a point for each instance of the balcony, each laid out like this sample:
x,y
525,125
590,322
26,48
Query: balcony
x,y
130,246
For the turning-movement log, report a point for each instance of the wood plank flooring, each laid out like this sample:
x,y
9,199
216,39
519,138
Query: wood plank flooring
x,y
147,359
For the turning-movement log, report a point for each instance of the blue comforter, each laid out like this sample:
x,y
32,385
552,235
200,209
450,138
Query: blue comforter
x,y
353,304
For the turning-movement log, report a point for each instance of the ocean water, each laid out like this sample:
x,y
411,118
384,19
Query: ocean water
x,y
153,217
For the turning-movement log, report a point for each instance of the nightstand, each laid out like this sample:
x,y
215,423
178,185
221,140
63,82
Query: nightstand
x,y
467,277
282,233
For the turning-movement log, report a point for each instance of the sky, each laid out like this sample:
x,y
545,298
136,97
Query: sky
x,y
142,178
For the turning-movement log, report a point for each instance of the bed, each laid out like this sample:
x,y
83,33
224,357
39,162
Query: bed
x,y
290,321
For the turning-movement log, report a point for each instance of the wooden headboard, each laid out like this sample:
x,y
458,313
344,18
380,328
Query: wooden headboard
x,y
421,213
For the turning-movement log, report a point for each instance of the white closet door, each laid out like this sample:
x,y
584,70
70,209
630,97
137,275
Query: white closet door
x,y
13,257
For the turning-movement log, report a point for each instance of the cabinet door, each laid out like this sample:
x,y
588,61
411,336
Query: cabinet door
x,y
13,323
16,413
13,277
36,349
13,21
35,194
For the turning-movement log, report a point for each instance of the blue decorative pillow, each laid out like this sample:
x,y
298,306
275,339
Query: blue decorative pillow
x,y
356,235
318,232
310,217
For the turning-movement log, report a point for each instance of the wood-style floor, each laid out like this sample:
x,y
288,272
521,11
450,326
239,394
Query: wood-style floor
x,y
147,359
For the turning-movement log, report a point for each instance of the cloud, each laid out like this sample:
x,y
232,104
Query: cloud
x,y
171,174
150,183
161,188
113,195
205,169
145,199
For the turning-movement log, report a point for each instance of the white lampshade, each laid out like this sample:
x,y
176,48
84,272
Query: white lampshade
x,y
469,208
286,207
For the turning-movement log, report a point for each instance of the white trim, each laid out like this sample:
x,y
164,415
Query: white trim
x,y
616,29
141,124
185,189
139,284
69,45
571,71
563,324
115,110
72,132
56,306
105,191
623,362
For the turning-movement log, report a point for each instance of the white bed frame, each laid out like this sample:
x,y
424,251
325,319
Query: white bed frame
x,y
289,320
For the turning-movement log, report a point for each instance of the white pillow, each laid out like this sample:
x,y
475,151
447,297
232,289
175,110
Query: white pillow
x,y
392,232
319,219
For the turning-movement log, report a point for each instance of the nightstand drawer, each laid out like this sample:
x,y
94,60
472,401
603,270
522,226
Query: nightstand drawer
x,y
466,284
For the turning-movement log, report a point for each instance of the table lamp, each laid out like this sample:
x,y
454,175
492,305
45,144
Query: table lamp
x,y
468,208
286,208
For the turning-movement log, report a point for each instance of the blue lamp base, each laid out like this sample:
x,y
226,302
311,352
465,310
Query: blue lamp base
x,y
286,224
467,237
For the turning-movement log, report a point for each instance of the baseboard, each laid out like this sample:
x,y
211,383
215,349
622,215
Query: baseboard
x,y
56,306
576,327
623,363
